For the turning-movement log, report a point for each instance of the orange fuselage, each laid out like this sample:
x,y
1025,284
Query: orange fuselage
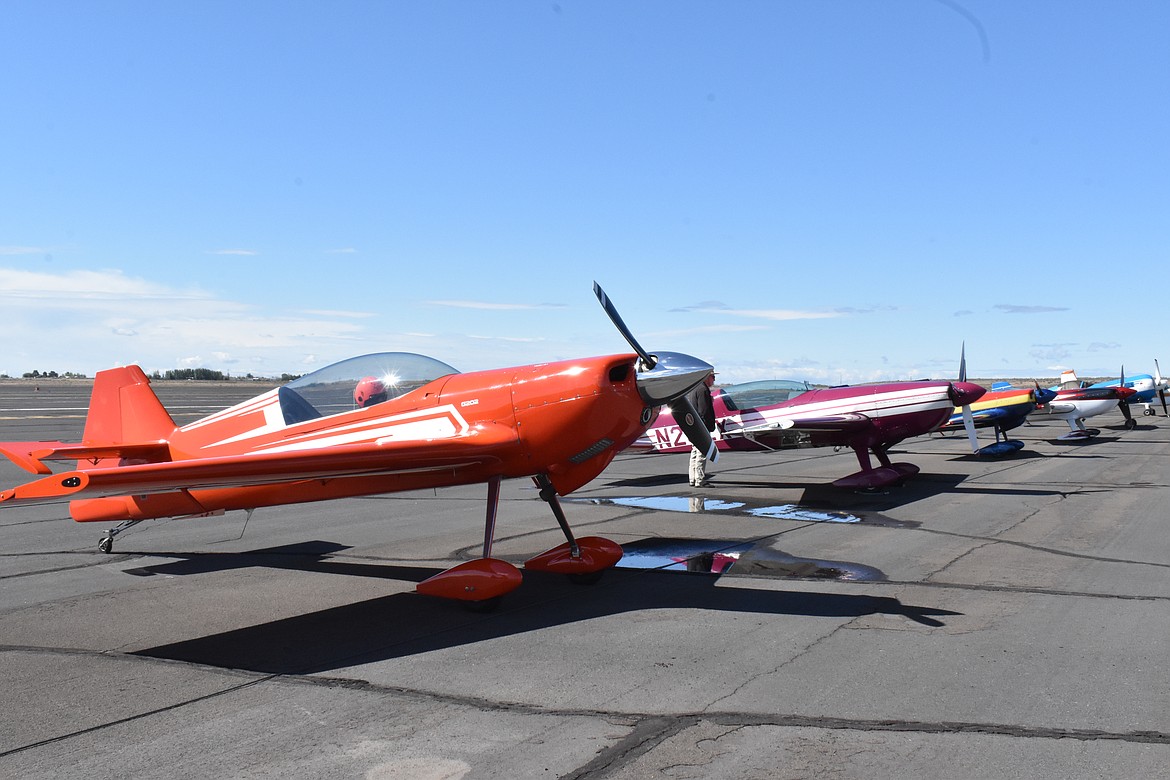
x,y
566,419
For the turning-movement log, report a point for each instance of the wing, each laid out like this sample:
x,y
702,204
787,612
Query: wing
x,y
477,447
30,455
982,418
845,423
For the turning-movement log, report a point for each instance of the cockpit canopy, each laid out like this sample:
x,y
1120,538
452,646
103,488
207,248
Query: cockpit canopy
x,y
359,381
752,395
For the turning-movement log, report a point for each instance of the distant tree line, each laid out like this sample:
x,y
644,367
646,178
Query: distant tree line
x,y
180,374
198,374
51,375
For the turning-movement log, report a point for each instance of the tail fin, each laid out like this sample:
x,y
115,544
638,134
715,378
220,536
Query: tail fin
x,y
126,422
123,409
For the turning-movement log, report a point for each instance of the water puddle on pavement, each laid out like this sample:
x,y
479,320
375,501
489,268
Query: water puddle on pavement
x,y
705,504
717,556
706,556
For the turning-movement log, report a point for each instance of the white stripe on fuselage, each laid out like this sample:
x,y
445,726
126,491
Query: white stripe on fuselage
x,y
888,404
266,402
436,423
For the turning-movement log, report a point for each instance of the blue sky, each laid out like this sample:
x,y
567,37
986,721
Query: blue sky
x,y
837,191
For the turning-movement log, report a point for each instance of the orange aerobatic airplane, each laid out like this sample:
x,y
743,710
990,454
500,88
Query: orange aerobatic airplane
x,y
374,424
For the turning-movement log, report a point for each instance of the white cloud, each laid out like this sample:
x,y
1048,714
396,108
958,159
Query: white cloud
x,y
89,320
23,250
242,252
703,329
510,339
74,288
495,306
338,313
1011,308
772,314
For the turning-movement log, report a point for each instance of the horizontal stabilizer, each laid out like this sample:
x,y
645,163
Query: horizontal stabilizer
x,y
25,454
126,421
142,453
230,471
30,455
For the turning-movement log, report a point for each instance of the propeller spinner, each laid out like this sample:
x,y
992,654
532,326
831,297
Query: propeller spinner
x,y
666,378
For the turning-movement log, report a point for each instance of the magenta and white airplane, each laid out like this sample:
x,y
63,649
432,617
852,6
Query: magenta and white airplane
x,y
778,414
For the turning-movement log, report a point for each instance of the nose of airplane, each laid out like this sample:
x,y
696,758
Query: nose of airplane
x,y
1044,395
965,393
673,375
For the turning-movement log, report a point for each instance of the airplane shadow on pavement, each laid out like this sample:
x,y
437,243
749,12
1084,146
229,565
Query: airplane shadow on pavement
x,y
406,624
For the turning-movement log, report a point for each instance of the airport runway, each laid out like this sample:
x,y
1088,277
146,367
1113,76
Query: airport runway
x,y
988,619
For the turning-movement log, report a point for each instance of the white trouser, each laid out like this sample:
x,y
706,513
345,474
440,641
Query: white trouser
x,y
698,466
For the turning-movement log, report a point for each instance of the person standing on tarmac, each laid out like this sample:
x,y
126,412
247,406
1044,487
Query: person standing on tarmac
x,y
700,398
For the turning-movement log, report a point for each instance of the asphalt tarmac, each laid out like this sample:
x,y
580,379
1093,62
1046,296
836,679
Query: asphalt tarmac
x,y
987,619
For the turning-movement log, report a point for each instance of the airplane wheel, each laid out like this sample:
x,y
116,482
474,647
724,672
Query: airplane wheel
x,y
1148,413
592,578
1130,424
106,545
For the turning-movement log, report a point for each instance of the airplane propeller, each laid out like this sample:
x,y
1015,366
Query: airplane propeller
x,y
968,418
1123,403
665,378
1161,384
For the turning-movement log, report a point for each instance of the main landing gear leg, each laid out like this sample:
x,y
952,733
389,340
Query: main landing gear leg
x,y
480,583
548,494
870,478
493,509
106,545
582,559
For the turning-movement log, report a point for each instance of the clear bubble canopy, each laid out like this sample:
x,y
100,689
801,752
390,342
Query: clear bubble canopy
x,y
769,392
358,381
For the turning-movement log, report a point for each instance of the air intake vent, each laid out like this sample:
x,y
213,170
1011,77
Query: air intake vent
x,y
596,449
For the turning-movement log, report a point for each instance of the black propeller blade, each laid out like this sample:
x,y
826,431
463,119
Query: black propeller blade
x,y
693,427
1161,383
1123,404
666,378
968,418
648,360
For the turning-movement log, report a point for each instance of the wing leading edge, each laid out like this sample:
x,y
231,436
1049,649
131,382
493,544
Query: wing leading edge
x,y
845,423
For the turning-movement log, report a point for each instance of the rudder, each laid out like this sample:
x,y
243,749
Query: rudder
x,y
123,409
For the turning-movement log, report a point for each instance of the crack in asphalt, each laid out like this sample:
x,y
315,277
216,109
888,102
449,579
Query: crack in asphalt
x,y
808,649
105,559
129,718
1049,550
1025,589
645,735
648,730
973,549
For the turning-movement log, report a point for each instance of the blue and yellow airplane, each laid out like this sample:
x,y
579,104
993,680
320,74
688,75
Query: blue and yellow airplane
x,y
1002,408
